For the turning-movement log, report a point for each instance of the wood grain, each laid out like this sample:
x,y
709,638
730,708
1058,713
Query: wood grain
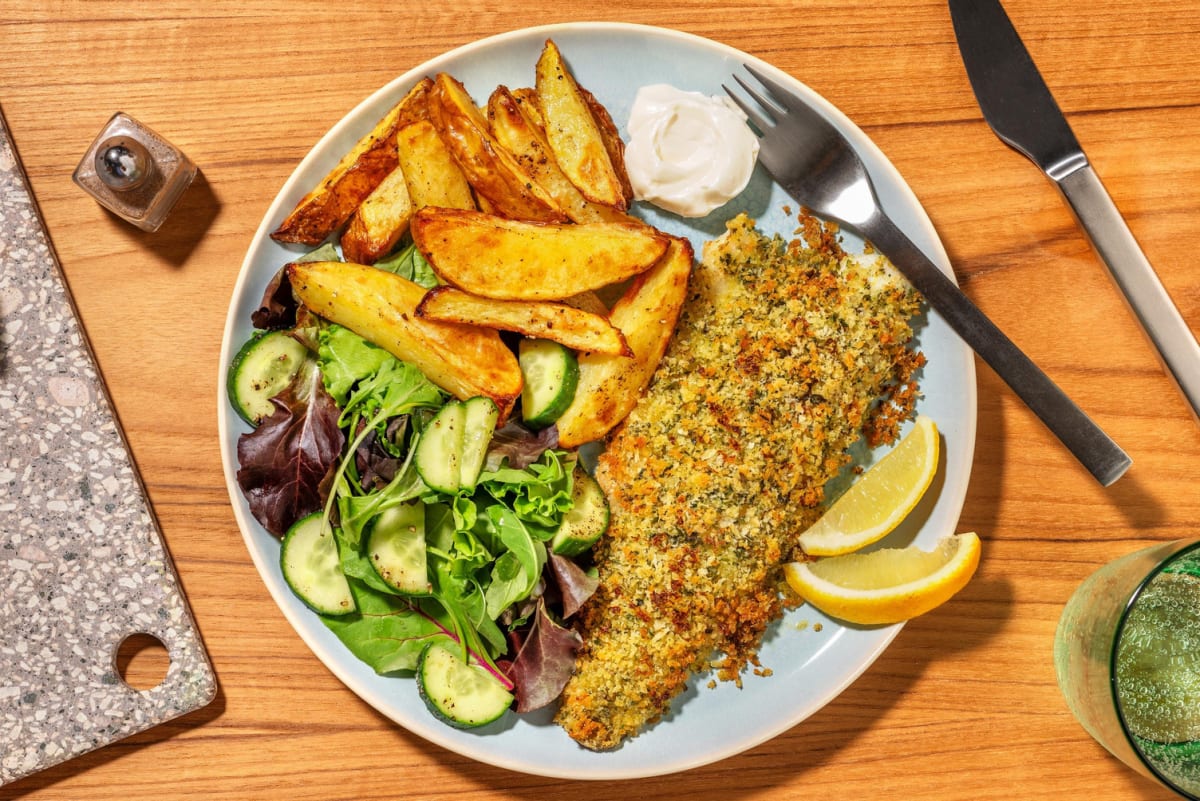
x,y
964,704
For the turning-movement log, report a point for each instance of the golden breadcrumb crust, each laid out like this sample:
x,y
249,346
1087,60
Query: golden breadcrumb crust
x,y
782,355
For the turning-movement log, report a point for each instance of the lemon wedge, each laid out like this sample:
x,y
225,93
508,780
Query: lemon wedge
x,y
881,498
888,585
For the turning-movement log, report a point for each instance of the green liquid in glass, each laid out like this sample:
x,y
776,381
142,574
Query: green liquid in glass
x,y
1158,673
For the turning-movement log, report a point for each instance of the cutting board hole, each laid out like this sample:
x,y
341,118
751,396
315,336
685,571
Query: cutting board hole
x,y
142,661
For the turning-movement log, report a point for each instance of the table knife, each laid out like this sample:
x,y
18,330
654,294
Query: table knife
x,y
1020,109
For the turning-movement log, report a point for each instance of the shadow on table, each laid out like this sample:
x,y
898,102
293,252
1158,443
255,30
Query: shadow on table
x,y
45,780
184,228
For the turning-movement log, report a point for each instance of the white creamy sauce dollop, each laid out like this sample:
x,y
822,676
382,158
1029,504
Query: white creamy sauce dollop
x,y
688,153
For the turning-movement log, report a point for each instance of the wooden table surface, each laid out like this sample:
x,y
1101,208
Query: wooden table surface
x,y
964,704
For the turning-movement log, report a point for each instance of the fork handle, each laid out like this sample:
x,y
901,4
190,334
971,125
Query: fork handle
x,y
1094,449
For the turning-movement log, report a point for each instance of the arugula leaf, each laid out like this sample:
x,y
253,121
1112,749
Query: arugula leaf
x,y
375,388
464,602
355,512
517,570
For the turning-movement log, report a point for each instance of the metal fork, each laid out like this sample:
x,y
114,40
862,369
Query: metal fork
x,y
817,166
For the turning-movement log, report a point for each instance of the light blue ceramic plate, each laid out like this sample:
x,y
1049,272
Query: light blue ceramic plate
x,y
809,667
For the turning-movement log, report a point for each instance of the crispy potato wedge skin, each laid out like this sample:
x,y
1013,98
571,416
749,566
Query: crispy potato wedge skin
x,y
514,260
572,132
527,97
560,322
433,176
609,386
491,170
379,222
327,207
521,135
381,307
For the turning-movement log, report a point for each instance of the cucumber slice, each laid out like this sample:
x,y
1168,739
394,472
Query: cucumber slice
x,y
309,559
263,368
396,548
480,416
439,450
452,448
551,373
458,693
587,519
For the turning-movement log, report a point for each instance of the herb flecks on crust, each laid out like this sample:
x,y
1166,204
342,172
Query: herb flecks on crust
x,y
785,354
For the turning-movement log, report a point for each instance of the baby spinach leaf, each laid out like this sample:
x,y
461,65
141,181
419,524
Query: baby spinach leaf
x,y
387,632
408,262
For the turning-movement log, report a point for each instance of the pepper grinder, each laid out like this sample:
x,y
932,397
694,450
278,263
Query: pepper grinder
x,y
134,173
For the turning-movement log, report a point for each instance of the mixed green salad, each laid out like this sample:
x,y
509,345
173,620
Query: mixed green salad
x,y
430,541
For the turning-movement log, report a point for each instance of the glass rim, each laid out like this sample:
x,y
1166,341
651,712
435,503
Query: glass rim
x,y
1185,547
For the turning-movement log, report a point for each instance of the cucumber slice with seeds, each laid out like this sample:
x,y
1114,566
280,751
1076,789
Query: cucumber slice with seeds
x,y
452,448
464,695
551,374
587,519
439,450
396,548
309,560
480,415
263,368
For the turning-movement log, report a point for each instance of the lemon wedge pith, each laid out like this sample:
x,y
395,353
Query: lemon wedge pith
x,y
889,585
881,498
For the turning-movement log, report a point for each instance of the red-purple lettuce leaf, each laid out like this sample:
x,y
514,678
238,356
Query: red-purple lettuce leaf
x,y
575,586
377,463
278,306
521,446
287,461
544,663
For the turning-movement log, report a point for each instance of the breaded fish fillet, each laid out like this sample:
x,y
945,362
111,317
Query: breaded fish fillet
x,y
781,355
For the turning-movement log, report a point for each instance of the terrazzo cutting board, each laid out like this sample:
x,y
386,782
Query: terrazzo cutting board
x,y
82,562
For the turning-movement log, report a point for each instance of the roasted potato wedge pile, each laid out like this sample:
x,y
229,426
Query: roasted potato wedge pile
x,y
519,205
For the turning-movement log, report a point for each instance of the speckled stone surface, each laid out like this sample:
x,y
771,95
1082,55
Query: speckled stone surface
x,y
82,562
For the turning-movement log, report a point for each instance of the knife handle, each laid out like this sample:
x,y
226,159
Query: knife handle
x,y
1147,298
1094,449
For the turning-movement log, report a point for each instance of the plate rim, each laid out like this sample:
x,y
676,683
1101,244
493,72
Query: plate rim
x,y
288,195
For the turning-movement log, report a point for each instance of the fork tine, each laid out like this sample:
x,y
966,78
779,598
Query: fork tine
x,y
761,124
779,93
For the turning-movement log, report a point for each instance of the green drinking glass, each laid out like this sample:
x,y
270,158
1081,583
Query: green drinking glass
x,y
1127,656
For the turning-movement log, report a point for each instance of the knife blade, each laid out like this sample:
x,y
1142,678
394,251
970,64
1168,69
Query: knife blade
x,y
1019,107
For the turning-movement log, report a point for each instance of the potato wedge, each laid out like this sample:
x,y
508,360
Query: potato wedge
x,y
572,132
531,106
611,137
588,302
609,386
378,223
381,307
327,207
560,322
513,260
491,170
433,176
518,133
